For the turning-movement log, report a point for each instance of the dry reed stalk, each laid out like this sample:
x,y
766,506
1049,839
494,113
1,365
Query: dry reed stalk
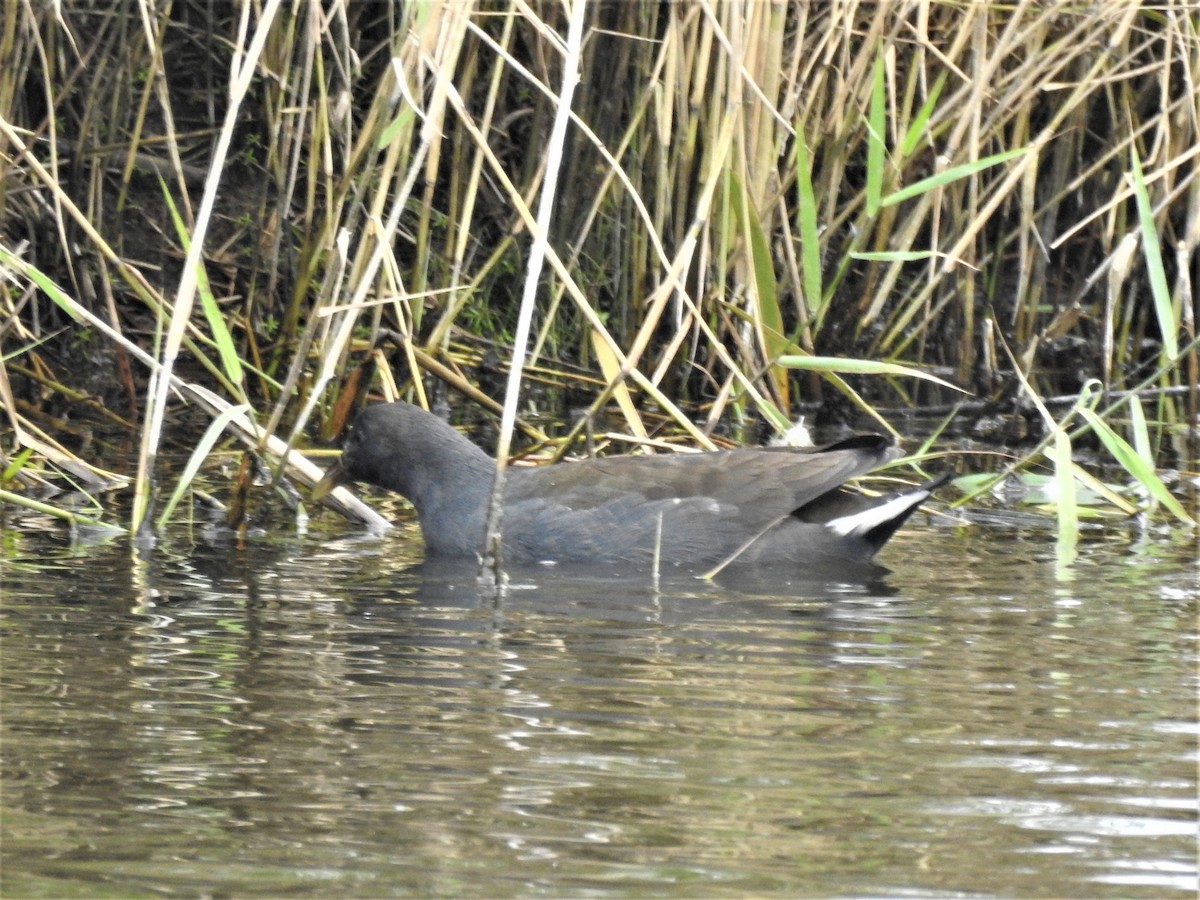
x,y
749,182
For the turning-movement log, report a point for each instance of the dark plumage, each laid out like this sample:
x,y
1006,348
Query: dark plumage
x,y
779,506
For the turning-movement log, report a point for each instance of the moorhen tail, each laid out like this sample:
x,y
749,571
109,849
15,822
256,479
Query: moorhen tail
x,y
774,506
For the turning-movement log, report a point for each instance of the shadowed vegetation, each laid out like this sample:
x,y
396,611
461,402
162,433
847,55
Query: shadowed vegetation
x,y
268,210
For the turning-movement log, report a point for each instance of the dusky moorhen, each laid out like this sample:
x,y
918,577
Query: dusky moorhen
x,y
779,506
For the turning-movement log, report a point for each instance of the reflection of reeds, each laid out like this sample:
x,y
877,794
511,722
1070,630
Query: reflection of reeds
x,y
759,203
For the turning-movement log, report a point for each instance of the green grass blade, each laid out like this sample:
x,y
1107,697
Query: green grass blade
x,y
400,125
65,514
206,443
1141,434
230,360
916,130
1135,464
1152,250
810,242
1100,489
766,298
1067,507
764,276
954,173
876,150
49,288
16,464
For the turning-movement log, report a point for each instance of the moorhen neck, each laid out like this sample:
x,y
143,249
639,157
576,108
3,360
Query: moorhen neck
x,y
774,506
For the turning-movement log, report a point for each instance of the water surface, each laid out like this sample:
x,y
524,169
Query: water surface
x,y
318,716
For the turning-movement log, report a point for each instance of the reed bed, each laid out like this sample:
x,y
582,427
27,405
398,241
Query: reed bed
x,y
270,210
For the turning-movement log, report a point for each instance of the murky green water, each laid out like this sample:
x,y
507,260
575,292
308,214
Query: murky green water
x,y
317,717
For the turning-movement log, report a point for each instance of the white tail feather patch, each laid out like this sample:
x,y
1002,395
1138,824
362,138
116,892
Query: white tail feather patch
x,y
862,522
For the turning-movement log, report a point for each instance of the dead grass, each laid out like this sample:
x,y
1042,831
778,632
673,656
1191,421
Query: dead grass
x,y
749,193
